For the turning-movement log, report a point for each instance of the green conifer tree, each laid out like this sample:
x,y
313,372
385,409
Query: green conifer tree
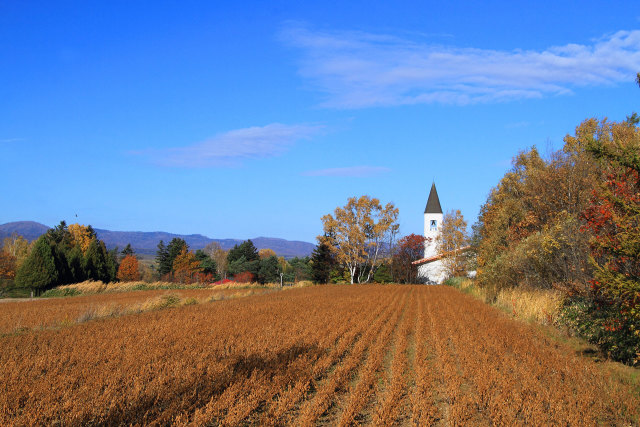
x,y
38,271
162,259
322,262
95,262
76,265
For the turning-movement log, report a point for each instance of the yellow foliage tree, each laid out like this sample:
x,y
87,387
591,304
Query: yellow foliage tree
x,y
452,239
266,253
358,233
16,247
81,236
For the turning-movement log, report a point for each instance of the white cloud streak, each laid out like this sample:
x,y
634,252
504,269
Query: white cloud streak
x,y
230,148
356,69
352,171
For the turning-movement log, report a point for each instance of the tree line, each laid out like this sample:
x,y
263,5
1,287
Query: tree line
x,y
63,255
571,221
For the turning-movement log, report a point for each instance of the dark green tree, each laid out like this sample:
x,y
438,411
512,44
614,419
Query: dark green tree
x,y
96,264
207,264
300,268
246,249
76,264
112,263
162,259
269,270
322,262
128,250
383,274
174,248
38,271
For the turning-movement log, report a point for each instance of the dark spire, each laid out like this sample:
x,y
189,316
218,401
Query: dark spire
x,y
433,204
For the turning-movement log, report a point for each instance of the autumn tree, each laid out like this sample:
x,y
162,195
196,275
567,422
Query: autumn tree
x,y
186,266
266,253
409,249
129,269
219,256
7,268
450,242
17,247
81,236
613,218
358,234
528,232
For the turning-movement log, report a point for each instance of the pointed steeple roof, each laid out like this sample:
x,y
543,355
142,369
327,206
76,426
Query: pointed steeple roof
x,y
433,204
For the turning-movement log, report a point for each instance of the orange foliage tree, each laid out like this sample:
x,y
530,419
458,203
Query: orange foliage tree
x,y
128,271
186,267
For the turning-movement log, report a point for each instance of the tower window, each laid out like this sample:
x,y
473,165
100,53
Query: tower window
x,y
434,225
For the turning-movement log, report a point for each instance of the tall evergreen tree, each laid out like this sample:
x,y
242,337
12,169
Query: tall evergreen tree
x,y
322,262
128,250
38,271
95,262
245,249
174,248
162,259
76,264
269,270
112,263
207,264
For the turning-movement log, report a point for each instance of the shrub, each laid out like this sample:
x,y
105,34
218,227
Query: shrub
x,y
244,277
605,326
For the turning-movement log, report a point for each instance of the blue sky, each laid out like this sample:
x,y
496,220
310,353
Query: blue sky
x,y
246,119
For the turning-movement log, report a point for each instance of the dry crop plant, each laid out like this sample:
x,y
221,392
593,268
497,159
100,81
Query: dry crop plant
x,y
19,316
340,355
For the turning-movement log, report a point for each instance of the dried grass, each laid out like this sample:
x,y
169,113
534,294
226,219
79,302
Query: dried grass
x,y
540,306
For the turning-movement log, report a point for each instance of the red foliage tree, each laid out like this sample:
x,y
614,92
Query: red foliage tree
x,y
244,277
410,248
128,270
614,219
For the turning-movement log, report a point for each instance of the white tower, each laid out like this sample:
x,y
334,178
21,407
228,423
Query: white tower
x,y
430,268
432,223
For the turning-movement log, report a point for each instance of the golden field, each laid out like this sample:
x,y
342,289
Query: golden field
x,y
323,355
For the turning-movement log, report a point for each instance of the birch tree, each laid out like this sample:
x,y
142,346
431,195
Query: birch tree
x,y
359,234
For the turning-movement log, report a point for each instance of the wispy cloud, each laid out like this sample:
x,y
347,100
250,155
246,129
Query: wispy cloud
x,y
230,148
357,69
352,171
10,140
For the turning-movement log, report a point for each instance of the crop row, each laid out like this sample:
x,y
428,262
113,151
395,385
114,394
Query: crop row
x,y
343,355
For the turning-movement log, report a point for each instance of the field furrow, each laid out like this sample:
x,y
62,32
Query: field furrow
x,y
325,355
325,394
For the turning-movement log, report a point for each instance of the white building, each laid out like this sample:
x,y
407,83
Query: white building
x,y
430,268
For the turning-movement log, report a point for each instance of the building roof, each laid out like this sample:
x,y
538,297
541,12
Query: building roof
x,y
440,256
433,204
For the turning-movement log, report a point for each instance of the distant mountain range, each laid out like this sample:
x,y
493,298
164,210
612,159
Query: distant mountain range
x,y
147,242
